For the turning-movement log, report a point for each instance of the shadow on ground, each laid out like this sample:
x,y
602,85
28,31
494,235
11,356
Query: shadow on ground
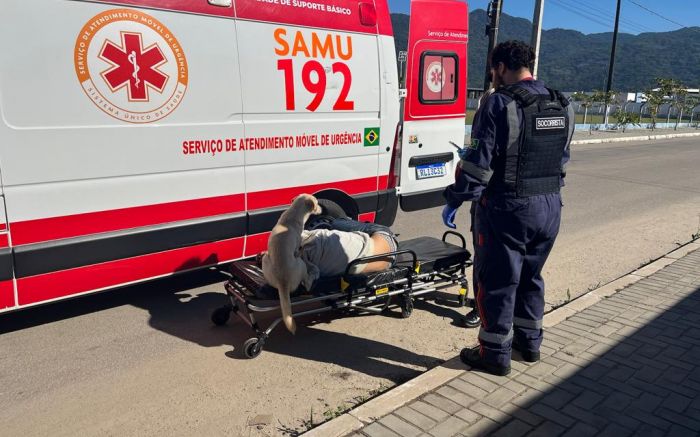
x,y
177,308
644,380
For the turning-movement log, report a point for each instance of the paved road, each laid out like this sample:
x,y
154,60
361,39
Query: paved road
x,y
146,360
625,204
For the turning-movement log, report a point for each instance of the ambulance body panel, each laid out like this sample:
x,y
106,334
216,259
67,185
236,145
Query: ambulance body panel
x,y
143,138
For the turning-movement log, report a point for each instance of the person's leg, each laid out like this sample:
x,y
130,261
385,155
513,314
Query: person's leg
x,y
499,255
472,319
529,300
350,225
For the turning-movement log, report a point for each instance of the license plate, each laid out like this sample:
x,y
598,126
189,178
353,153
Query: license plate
x,y
431,171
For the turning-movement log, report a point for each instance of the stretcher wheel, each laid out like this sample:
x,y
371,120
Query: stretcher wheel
x,y
406,307
464,289
221,315
462,300
252,347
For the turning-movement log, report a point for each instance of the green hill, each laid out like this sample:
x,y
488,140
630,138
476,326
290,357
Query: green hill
x,y
571,60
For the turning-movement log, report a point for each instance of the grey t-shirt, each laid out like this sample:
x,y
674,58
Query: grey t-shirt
x,y
328,252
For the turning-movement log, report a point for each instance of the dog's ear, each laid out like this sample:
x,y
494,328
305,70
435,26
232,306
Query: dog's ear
x,y
311,203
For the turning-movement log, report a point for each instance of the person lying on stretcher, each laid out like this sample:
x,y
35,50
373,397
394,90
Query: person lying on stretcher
x,y
330,244
333,243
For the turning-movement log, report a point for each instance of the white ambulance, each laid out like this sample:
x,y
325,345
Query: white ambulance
x,y
142,138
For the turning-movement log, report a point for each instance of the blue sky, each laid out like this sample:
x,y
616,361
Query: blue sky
x,y
594,16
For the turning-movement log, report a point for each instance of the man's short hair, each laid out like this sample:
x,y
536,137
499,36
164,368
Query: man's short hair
x,y
514,55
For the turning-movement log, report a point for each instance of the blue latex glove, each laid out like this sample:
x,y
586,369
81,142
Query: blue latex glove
x,y
448,216
463,152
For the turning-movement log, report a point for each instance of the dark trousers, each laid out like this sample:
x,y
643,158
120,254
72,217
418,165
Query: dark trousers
x,y
349,225
472,229
514,237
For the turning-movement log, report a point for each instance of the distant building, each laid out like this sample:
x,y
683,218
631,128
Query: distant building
x,y
641,97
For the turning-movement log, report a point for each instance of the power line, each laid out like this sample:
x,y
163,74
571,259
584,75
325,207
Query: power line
x,y
581,14
589,11
605,15
657,14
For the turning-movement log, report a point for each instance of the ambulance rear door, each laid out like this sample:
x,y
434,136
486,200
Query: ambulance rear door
x,y
435,101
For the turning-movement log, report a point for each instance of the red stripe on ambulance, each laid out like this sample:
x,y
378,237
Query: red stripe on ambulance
x,y
76,225
284,196
7,294
54,228
198,7
367,217
39,288
343,15
254,244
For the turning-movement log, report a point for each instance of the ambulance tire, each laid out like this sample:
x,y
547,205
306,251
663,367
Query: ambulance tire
x,y
406,307
462,300
331,209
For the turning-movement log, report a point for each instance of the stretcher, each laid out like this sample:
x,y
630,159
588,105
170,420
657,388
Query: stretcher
x,y
423,266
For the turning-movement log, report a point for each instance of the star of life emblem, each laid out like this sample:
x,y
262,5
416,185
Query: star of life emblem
x,y
131,66
435,79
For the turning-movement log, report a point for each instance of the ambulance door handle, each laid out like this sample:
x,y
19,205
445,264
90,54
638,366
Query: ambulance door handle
x,y
222,3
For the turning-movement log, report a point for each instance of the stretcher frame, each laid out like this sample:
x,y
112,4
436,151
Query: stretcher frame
x,y
353,296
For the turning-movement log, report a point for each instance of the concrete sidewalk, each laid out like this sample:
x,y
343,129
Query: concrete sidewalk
x,y
615,363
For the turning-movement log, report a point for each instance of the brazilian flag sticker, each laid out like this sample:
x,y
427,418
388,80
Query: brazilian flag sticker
x,y
371,136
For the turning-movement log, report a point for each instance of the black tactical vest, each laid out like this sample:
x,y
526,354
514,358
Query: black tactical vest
x,y
532,164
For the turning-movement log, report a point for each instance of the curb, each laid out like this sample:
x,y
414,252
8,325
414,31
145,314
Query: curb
x,y
450,369
389,401
638,138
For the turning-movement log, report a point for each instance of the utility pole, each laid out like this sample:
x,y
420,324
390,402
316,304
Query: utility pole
x,y
537,34
494,13
612,61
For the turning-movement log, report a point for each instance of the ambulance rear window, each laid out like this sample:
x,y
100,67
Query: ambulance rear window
x,y
438,77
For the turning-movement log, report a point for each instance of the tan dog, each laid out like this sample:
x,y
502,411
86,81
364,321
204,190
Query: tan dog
x,y
282,266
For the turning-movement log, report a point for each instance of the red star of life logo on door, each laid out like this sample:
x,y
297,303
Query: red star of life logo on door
x,y
133,66
436,76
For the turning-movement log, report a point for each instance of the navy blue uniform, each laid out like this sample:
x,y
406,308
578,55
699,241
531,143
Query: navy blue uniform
x,y
514,234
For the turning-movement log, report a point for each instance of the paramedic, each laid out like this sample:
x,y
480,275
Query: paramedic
x,y
514,168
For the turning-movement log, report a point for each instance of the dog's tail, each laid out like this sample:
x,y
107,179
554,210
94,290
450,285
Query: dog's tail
x,y
286,307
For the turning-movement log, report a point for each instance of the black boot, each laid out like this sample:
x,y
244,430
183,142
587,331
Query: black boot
x,y
529,356
472,358
472,319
